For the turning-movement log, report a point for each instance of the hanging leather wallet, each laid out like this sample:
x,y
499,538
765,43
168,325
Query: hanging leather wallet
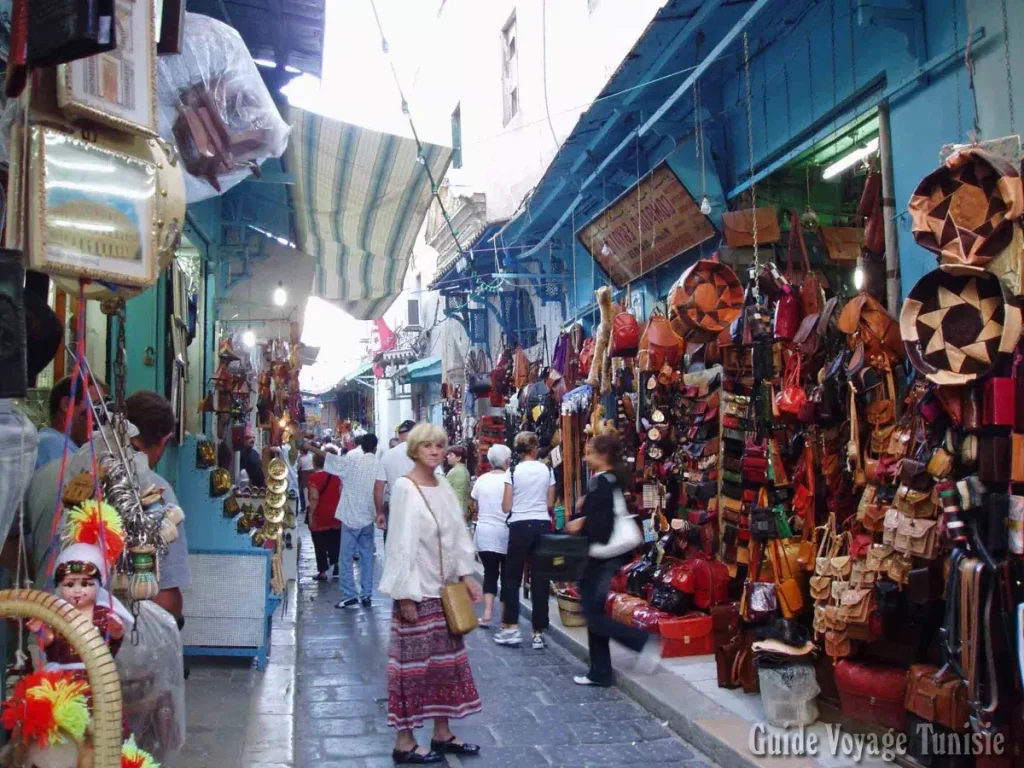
x,y
13,344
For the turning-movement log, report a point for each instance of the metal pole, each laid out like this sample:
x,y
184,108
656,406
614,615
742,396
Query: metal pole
x,y
892,248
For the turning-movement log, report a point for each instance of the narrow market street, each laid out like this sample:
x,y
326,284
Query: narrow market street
x,y
533,713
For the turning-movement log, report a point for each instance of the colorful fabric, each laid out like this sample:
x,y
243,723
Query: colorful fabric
x,y
428,670
329,489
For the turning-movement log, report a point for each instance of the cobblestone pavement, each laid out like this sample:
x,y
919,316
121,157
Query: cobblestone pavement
x,y
533,714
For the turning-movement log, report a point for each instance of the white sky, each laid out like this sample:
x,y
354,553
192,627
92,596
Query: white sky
x,y
358,87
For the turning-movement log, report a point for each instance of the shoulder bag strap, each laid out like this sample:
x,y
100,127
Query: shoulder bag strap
x,y
440,554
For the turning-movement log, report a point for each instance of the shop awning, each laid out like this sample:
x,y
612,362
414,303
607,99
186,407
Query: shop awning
x,y
427,368
360,199
361,370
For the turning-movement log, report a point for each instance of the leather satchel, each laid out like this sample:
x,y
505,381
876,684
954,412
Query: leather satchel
x,y
456,603
917,538
725,622
625,339
938,696
842,245
872,693
789,591
806,282
855,605
738,227
865,321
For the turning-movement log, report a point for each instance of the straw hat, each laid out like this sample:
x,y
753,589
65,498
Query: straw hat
x,y
955,325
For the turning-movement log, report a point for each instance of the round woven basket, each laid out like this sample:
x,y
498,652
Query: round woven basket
x,y
570,609
99,664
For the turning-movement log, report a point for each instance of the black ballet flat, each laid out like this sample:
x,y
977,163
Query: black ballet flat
x,y
412,757
451,748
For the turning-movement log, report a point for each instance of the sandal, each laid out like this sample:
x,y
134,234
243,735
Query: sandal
x,y
412,757
451,748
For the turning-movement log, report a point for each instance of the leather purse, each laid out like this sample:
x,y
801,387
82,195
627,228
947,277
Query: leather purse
x,y
900,565
916,504
625,338
787,314
914,475
889,526
873,518
791,396
455,600
998,402
670,600
842,245
660,345
789,591
1017,457
738,227
872,693
924,585
837,644
940,463
877,558
917,538
855,605
865,321
806,282
759,599
938,696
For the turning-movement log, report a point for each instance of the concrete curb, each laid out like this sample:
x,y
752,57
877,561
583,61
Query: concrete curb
x,y
666,697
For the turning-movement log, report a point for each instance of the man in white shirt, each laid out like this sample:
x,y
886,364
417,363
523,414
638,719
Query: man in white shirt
x,y
394,464
358,474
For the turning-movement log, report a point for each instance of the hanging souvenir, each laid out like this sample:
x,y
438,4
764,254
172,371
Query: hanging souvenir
x,y
954,326
48,715
705,301
659,345
965,210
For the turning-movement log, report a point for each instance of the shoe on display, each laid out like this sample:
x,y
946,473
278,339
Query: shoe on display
x,y
509,637
352,603
539,643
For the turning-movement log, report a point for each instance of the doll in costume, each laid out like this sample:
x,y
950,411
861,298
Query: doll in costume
x,y
93,541
48,716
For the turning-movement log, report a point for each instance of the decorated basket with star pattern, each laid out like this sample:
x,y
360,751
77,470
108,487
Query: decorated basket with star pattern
x,y
955,325
965,210
705,300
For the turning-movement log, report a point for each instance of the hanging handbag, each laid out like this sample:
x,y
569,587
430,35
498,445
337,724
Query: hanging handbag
x,y
791,396
917,538
787,314
843,246
865,321
759,600
659,344
806,283
586,357
762,519
789,592
738,227
455,600
625,339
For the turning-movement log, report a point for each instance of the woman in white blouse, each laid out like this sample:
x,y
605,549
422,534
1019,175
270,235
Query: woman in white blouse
x,y
491,524
428,670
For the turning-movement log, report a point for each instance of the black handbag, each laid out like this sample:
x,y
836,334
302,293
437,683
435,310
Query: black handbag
x,y
560,557
762,524
639,575
670,600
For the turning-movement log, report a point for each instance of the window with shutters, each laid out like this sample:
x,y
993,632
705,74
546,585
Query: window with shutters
x,y
509,70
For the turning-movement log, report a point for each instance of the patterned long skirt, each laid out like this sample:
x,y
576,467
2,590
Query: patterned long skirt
x,y
428,670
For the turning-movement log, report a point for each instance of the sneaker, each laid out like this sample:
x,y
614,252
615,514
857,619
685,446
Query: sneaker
x,y
509,637
539,643
584,680
352,603
366,602
648,659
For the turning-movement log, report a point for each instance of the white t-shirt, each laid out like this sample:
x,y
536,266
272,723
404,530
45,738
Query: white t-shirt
x,y
395,463
306,462
530,483
491,528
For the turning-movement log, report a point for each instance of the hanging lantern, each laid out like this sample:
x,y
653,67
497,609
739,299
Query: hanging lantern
x,y
143,584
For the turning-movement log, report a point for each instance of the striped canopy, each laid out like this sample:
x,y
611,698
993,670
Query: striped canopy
x,y
360,199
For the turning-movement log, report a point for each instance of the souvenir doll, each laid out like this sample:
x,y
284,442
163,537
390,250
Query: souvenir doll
x,y
48,715
93,542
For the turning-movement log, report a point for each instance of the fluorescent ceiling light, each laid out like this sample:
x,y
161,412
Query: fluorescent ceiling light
x,y
265,63
291,70
851,159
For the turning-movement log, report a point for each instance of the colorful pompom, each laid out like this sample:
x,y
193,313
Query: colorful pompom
x,y
47,708
133,757
84,527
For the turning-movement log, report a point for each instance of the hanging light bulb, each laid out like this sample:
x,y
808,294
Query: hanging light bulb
x,y
280,294
705,206
858,275
249,338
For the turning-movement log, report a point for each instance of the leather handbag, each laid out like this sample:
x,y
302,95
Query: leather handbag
x,y
690,635
738,227
560,557
670,600
1017,457
789,592
865,321
872,693
455,600
787,314
808,287
998,400
759,599
855,605
837,644
725,622
878,557
938,696
734,664
842,245
625,340
791,396
586,357
709,579
659,344
916,504
917,538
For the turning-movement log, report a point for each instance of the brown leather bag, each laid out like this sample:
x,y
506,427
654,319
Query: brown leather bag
x,y
937,696
808,284
659,345
843,245
865,321
738,227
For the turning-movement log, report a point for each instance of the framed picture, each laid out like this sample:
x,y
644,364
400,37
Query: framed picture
x,y
92,210
117,88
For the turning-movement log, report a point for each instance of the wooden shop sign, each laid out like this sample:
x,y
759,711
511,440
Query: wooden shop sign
x,y
649,224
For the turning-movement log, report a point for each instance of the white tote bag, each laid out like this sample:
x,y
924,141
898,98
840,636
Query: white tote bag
x,y
626,535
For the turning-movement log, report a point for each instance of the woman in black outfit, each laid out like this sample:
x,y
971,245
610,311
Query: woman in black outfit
x,y
603,456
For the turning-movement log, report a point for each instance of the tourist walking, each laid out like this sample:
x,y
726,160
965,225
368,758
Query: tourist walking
x,y
305,466
428,671
357,473
529,501
491,527
458,476
325,529
395,463
603,456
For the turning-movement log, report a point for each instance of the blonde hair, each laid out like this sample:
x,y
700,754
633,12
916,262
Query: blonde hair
x,y
526,442
424,433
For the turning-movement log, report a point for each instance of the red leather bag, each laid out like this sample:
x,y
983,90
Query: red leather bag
x,y
807,284
997,402
787,314
586,357
625,335
706,580
690,635
648,618
872,693
791,397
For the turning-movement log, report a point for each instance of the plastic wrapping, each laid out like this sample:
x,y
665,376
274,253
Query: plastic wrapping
x,y
788,694
153,683
214,106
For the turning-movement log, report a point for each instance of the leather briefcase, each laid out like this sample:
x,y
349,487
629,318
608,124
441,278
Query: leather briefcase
x,y
872,693
937,698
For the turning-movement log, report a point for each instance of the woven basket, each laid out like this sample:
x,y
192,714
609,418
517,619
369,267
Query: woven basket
x,y
570,609
99,664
